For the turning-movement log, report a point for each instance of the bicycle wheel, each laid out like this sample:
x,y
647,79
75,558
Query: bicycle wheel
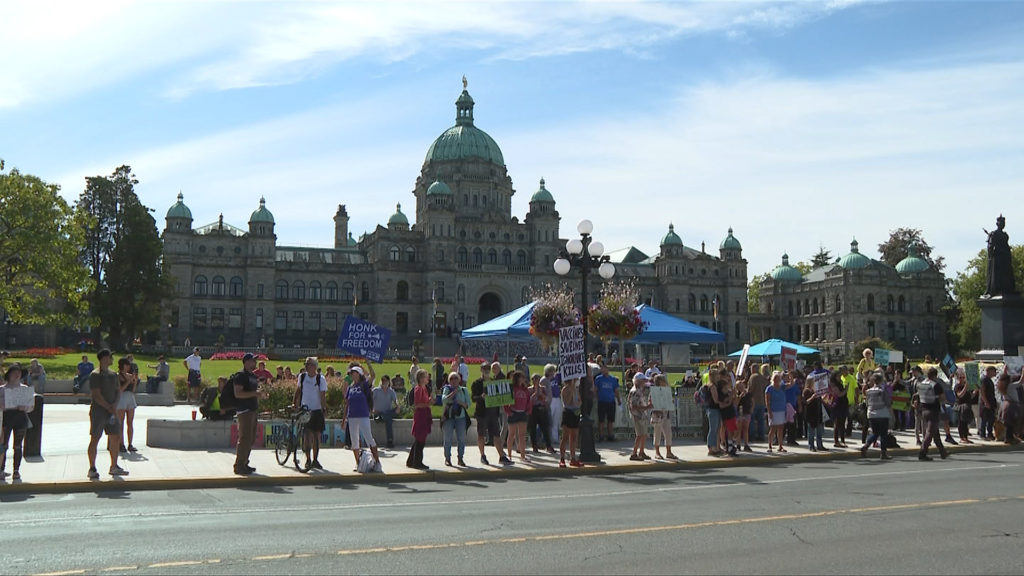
x,y
298,438
283,449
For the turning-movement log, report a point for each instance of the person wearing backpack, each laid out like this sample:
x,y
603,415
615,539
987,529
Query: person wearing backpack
x,y
243,394
311,393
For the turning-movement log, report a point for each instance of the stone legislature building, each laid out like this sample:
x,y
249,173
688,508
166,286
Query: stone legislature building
x,y
467,259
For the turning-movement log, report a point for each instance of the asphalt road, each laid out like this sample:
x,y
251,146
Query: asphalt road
x,y
964,516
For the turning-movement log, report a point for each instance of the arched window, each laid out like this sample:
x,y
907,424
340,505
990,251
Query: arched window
x,y
807,306
410,254
281,290
332,291
394,254
461,293
348,292
871,304
521,258
199,286
364,292
703,302
218,286
299,290
890,304
901,304
506,257
492,256
402,291
815,305
315,291
928,304
691,303
236,287
791,307
462,256
478,256
839,303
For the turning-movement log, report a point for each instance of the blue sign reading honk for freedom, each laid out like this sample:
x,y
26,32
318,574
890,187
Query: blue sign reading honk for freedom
x,y
365,339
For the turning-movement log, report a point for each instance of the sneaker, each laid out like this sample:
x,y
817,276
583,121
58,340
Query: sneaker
x,y
316,464
243,471
93,474
132,448
561,463
505,461
576,464
118,471
17,475
462,463
924,458
949,440
821,448
483,460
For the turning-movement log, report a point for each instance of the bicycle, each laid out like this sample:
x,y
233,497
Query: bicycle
x,y
289,444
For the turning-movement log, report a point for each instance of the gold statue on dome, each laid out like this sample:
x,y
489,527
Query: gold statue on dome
x,y
465,83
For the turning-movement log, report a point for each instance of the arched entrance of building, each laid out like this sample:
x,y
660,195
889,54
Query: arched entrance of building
x,y
490,307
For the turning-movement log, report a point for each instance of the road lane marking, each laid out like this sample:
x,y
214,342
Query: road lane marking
x,y
540,497
119,569
175,564
62,573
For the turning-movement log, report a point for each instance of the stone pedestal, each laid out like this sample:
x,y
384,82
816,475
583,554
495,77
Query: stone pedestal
x,y
1002,326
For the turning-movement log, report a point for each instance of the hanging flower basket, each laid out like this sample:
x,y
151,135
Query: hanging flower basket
x,y
554,310
615,315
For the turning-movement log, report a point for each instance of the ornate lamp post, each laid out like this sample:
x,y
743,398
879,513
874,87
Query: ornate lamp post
x,y
585,254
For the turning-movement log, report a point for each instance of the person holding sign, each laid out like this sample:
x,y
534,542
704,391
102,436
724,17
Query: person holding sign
x,y
812,396
518,413
661,421
357,413
570,422
16,409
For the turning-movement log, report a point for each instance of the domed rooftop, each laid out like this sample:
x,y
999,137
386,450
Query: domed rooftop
x,y
262,214
854,260
351,240
671,239
398,217
730,242
464,140
913,263
786,273
179,210
439,188
542,194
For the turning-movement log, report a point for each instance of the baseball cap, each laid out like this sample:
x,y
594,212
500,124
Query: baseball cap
x,y
248,356
356,369
639,378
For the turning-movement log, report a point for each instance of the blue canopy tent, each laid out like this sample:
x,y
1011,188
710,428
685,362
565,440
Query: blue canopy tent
x,y
774,347
512,326
664,328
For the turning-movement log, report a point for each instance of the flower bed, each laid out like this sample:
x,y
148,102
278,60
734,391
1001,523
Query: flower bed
x,y
41,352
235,356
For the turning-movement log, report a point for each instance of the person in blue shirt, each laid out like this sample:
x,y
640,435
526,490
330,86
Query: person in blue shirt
x,y
608,398
794,425
85,367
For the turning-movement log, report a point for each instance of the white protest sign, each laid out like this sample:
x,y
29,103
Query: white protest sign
x,y
661,398
572,357
743,360
19,396
1013,365
820,382
895,357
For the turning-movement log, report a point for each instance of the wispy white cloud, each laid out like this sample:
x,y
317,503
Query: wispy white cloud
x,y
66,47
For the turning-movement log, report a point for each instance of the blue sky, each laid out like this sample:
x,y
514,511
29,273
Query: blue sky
x,y
799,124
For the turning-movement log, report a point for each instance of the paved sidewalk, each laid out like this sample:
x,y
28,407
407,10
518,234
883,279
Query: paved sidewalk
x,y
63,465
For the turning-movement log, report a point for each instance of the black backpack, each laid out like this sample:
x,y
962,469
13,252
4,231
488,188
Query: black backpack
x,y
227,395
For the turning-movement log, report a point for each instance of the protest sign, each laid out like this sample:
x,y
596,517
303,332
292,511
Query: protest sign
x,y
973,371
895,357
661,397
820,382
1013,366
788,358
949,366
572,357
499,393
881,356
18,396
364,339
743,360
900,400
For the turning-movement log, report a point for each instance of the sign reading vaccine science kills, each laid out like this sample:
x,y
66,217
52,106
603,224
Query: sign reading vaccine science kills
x,y
365,339
572,355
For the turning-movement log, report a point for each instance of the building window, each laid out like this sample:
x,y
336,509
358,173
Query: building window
x,y
798,308
364,291
462,256
736,330
678,305
871,303
219,286
315,291
703,302
281,290
928,304
394,254
259,290
506,257
332,291
236,287
521,258
402,291
791,332
931,331
691,303
298,321
871,328
347,292
235,318
402,322
791,308
259,318
737,306
890,330
199,286
478,256
299,290
492,256
901,304
839,303
903,330
199,318
410,254
839,329
331,321
280,321
217,318
890,304
439,291
314,322
815,305
814,329
807,306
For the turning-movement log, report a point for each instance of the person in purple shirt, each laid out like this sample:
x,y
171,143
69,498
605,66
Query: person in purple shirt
x,y
357,412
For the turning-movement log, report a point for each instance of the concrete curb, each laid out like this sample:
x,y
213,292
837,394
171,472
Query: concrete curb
x,y
442,475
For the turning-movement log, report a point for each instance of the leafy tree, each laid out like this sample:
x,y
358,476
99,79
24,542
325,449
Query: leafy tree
x,y
896,248
124,254
754,292
968,286
822,258
41,278
803,267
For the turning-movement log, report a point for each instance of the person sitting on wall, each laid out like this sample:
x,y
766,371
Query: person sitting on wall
x,y
209,402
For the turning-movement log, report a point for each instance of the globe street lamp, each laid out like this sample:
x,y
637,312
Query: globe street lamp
x,y
585,255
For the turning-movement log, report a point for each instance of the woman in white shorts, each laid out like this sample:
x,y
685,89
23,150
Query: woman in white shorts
x,y
126,405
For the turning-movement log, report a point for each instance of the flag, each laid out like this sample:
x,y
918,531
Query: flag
x,y
714,306
433,298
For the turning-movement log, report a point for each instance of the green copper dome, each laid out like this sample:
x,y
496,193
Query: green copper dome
x,y
439,188
854,260
464,140
913,263
542,194
179,210
398,217
730,242
262,214
351,240
671,239
786,273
